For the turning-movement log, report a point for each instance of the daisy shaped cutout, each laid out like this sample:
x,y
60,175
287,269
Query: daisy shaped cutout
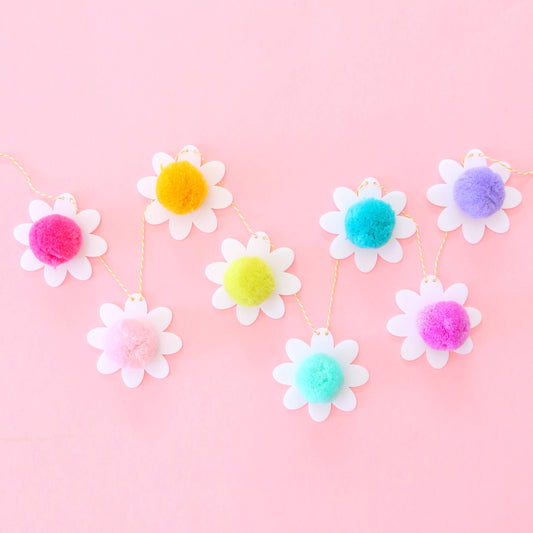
x,y
60,240
321,374
253,278
367,224
474,196
134,340
435,322
184,192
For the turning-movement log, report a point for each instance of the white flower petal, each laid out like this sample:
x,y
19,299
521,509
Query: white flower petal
x,y
93,246
39,209
345,400
333,222
341,247
287,284
158,367
466,347
155,213
160,318
437,358
450,170
160,161
474,315
412,347
285,373
322,342
431,290
22,233
111,314
280,259
29,262
65,205
204,219
346,351
215,272
169,343
232,249
221,299
180,226
498,222
297,350
135,307
474,159
404,227
370,190
213,172
273,306
106,365
146,186
399,325
450,218
259,245
132,377
80,267
408,301
319,411
473,229
438,194
88,220
458,292
397,201
355,376
344,198
218,197
55,276
191,154
391,252
96,337
247,315
513,197
365,258
503,170
294,399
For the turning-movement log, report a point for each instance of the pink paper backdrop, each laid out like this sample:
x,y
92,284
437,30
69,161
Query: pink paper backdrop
x,y
296,98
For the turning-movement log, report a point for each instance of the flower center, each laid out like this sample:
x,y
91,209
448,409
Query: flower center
x,y
249,281
55,239
444,325
479,192
131,343
181,188
319,378
369,223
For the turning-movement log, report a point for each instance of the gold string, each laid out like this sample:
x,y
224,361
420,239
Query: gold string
x,y
503,163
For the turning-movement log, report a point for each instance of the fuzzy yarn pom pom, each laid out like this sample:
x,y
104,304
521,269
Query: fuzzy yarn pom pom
x,y
369,223
479,192
444,325
181,188
319,378
55,239
249,281
131,343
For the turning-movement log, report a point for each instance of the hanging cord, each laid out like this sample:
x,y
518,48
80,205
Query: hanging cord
x,y
55,197
503,163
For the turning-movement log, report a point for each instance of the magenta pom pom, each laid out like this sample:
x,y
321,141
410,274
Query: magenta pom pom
x,y
55,239
444,325
131,343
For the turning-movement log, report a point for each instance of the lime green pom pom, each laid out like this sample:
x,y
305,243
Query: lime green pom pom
x,y
319,378
249,281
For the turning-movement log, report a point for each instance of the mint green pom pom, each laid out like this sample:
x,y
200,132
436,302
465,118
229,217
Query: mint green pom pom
x,y
319,378
369,223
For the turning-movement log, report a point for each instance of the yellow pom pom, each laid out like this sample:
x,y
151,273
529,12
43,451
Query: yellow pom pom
x,y
181,188
249,281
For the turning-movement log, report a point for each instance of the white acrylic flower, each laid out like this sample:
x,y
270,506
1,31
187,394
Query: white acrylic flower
x,y
184,192
253,278
367,224
321,374
134,340
60,240
435,322
474,196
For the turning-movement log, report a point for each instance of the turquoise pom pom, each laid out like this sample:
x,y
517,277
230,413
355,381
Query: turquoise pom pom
x,y
369,223
319,378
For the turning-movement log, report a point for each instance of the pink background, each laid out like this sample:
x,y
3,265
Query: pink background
x,y
296,98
